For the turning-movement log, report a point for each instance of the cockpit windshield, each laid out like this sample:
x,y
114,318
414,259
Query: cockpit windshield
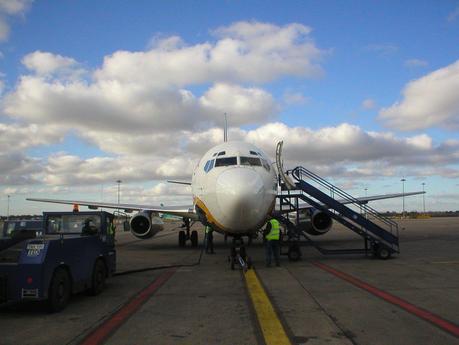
x,y
224,162
252,161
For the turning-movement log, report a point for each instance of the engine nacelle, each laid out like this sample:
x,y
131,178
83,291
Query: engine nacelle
x,y
316,223
145,225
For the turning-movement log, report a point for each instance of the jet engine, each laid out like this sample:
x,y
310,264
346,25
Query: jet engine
x,y
145,225
316,222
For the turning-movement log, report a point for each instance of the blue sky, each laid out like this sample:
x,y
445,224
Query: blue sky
x,y
363,91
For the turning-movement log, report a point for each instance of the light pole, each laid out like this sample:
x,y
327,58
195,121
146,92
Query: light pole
x,y
362,205
403,196
423,198
119,186
8,208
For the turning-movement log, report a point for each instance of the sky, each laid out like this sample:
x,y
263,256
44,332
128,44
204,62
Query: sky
x,y
363,93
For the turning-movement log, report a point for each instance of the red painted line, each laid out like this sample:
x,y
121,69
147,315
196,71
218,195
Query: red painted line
x,y
101,333
411,308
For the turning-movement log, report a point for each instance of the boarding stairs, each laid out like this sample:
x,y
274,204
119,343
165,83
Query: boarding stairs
x,y
380,234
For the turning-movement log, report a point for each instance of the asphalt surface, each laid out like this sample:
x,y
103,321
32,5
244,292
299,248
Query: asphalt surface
x,y
209,304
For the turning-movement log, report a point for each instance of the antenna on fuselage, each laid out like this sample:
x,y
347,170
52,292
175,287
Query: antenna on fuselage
x,y
225,130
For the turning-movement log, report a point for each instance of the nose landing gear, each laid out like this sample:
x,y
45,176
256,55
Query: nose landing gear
x,y
187,235
238,255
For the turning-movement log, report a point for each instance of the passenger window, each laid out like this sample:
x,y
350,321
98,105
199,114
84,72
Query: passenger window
x,y
252,161
227,161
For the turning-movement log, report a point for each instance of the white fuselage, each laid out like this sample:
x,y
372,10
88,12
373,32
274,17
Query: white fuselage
x,y
234,188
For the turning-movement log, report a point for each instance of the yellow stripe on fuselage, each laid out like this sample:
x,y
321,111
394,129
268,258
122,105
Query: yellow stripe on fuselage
x,y
271,327
210,218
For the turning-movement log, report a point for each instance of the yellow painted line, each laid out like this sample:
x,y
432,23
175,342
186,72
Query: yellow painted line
x,y
273,331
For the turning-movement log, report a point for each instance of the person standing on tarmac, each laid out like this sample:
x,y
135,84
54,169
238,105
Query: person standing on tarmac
x,y
209,240
272,237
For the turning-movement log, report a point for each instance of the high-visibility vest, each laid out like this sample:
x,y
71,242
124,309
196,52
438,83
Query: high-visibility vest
x,y
111,229
208,229
274,234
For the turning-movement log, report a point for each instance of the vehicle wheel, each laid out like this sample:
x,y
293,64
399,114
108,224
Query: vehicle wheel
x,y
181,238
99,274
194,238
382,252
59,290
294,253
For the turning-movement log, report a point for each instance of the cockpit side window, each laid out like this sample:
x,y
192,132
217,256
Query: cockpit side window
x,y
222,153
224,162
209,165
253,153
266,165
252,161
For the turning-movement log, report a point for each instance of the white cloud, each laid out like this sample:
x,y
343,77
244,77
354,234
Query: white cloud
x,y
18,169
137,101
44,63
14,137
244,52
416,63
368,104
431,101
10,8
65,169
143,109
342,151
243,105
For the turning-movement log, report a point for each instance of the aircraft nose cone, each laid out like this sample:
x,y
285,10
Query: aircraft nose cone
x,y
240,197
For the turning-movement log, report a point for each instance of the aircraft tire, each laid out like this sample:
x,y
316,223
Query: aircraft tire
x,y
194,238
182,238
99,275
59,290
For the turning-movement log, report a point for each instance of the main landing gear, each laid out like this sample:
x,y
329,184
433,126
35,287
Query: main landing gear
x,y
238,255
185,235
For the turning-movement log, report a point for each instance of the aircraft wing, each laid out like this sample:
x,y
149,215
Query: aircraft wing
x,y
181,211
366,199
188,183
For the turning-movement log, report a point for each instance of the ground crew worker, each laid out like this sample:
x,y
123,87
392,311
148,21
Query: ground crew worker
x,y
272,236
209,240
111,230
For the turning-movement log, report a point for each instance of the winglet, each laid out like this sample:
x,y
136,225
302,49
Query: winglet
x,y
180,182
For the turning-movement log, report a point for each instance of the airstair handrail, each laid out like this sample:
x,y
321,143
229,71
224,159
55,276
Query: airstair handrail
x,y
280,166
299,171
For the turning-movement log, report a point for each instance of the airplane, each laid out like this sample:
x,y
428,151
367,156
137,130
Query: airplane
x,y
234,188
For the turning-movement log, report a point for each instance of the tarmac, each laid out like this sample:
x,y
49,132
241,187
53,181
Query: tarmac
x,y
412,298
